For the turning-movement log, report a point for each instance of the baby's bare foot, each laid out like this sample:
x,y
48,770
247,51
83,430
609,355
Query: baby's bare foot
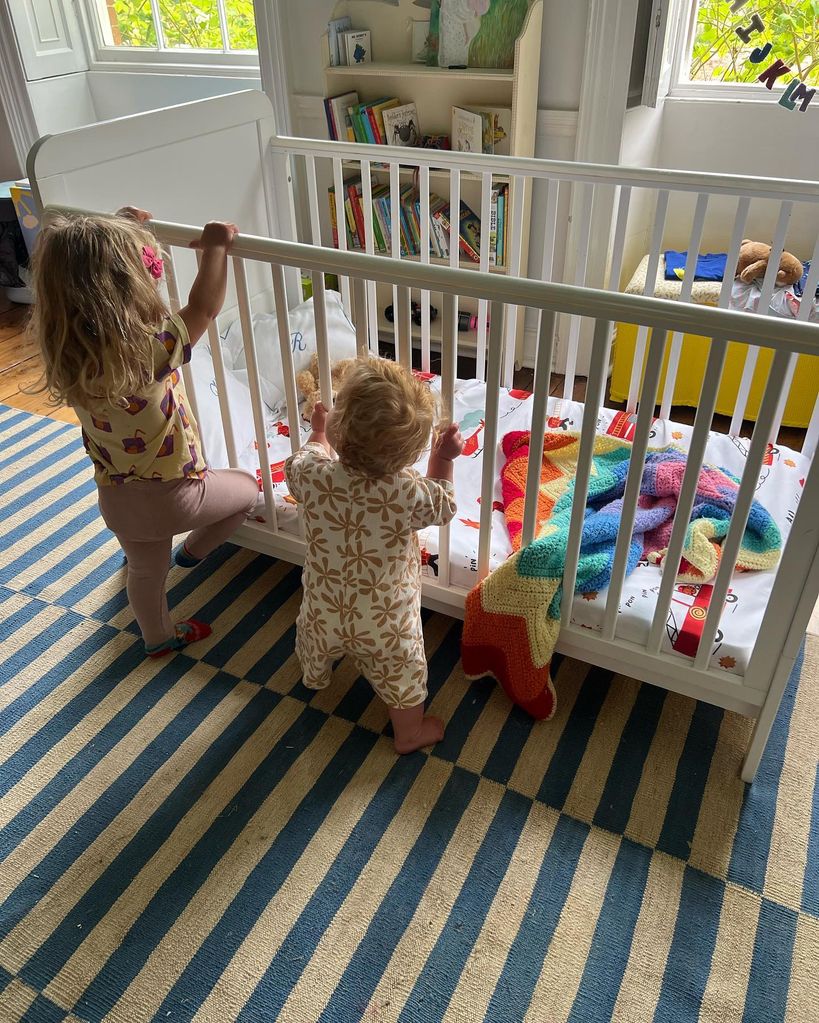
x,y
429,731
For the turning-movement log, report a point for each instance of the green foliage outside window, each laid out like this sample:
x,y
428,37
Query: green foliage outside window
x,y
185,24
719,54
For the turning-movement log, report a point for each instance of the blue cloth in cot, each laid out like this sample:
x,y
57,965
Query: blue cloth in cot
x,y
799,287
710,265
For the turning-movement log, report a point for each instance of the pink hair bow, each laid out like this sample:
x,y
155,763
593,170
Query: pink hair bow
x,y
152,262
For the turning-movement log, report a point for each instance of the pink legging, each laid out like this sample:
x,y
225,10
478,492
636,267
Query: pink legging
x,y
146,515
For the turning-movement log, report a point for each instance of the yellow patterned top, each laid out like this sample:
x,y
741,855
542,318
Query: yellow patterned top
x,y
155,437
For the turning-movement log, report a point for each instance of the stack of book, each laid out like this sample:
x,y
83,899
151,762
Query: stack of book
x,y
385,122
409,208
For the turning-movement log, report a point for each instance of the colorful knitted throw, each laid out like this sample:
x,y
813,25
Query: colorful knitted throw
x,y
513,616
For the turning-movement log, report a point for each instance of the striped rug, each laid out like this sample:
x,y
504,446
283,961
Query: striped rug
x,y
201,838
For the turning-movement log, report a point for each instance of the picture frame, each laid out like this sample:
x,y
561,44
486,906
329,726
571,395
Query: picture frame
x,y
420,36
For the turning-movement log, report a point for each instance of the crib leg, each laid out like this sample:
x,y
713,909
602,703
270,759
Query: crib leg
x,y
765,721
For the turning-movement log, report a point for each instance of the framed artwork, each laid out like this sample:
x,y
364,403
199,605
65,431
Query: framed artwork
x,y
475,33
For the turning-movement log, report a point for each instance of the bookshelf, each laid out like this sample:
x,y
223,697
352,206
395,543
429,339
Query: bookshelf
x,y
435,91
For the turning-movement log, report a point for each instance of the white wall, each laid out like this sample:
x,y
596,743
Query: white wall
x,y
62,103
749,137
640,147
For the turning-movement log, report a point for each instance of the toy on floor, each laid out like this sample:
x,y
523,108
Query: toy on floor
x,y
309,384
753,262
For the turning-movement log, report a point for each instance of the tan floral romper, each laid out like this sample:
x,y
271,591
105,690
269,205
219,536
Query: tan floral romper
x,y
362,572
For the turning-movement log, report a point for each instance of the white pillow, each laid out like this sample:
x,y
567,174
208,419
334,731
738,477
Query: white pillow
x,y
340,336
207,405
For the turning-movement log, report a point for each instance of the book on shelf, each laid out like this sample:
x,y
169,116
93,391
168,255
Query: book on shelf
x,y
335,31
338,119
482,131
409,223
357,47
401,125
467,131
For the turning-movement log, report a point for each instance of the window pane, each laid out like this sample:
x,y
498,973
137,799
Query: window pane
x,y
241,24
189,25
131,23
719,55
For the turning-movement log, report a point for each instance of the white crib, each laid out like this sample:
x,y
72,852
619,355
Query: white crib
x,y
221,159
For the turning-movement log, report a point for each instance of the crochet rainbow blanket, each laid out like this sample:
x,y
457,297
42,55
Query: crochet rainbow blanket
x,y
513,616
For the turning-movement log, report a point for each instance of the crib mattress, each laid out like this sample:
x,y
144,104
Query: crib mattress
x,y
779,490
702,292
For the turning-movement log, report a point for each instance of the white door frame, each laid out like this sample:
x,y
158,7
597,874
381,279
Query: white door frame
x,y
14,97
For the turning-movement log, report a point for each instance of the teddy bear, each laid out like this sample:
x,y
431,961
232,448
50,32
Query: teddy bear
x,y
309,385
753,262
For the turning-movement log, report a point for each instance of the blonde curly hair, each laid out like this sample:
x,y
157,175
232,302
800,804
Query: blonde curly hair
x,y
96,311
382,419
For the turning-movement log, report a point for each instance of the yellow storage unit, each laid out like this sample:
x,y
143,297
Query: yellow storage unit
x,y
694,354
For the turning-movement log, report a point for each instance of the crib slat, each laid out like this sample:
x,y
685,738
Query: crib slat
x,y
685,296
812,434
747,491
362,340
595,389
341,222
322,339
221,385
483,306
449,328
805,307
454,246
423,184
254,384
286,353
403,314
171,280
517,187
543,376
581,265
685,502
369,233
636,465
395,240
660,212
312,195
619,242
550,231
765,297
490,439
740,219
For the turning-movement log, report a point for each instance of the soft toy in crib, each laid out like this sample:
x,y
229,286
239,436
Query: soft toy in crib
x,y
753,262
308,382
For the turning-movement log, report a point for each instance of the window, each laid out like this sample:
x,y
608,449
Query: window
x,y
174,31
711,54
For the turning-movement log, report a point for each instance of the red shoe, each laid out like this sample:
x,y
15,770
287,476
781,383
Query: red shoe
x,y
187,632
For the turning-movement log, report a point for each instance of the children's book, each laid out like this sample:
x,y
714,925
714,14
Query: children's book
x,y
401,125
467,131
470,231
357,47
378,112
338,115
497,130
335,30
493,228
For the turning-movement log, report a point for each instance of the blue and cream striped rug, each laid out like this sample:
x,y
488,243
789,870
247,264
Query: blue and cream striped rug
x,y
203,839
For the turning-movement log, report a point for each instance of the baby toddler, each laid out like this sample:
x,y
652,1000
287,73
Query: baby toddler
x,y
362,572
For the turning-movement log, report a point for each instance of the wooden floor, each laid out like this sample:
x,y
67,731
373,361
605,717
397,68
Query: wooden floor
x,y
21,368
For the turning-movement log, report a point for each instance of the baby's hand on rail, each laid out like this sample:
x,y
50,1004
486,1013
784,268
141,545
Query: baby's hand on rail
x,y
216,235
448,443
135,213
318,420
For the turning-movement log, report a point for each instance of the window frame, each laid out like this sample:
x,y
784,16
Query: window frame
x,y
102,57
682,87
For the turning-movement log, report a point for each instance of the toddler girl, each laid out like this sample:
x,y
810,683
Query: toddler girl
x,y
113,351
362,572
